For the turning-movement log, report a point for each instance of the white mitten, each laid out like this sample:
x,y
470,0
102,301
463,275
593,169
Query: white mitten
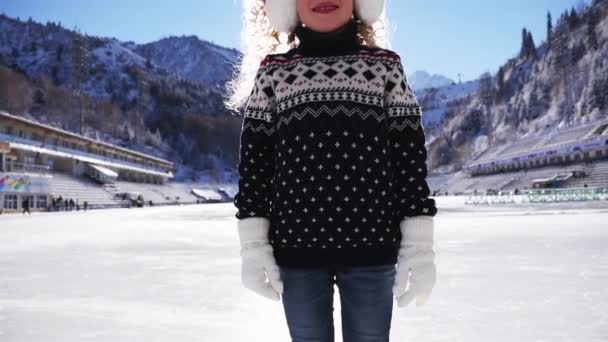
x,y
416,272
258,262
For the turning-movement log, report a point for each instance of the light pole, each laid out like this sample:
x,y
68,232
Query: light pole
x,y
80,61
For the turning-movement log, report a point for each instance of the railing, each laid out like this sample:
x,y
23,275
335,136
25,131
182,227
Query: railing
x,y
25,167
479,198
538,196
565,195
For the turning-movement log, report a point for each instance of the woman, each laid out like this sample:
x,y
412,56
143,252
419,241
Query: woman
x,y
332,169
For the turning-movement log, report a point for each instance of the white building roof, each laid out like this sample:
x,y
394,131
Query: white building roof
x,y
81,137
86,159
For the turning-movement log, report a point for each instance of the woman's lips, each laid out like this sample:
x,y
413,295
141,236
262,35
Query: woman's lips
x,y
325,8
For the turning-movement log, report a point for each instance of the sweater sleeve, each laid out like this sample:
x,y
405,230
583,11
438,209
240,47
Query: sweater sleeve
x,y
256,151
407,146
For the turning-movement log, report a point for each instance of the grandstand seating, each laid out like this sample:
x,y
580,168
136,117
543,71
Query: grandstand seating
x,y
84,189
183,190
568,136
541,141
597,176
462,182
520,146
81,189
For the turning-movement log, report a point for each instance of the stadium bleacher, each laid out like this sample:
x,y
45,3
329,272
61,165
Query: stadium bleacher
x,y
519,146
593,174
541,141
596,176
81,189
108,195
169,193
567,136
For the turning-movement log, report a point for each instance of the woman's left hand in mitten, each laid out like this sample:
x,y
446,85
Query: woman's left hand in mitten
x,y
416,271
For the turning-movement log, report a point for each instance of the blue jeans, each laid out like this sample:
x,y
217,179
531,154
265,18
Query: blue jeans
x,y
366,299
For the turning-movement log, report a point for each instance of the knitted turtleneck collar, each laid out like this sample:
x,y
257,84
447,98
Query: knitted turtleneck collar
x,y
342,40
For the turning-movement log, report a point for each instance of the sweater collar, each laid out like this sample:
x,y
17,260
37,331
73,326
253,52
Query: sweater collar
x,y
342,40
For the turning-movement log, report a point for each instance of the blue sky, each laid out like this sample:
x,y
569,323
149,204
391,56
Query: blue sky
x,y
465,37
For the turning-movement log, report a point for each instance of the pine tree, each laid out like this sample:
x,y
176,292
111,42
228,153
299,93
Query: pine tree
x,y
598,96
531,46
549,30
523,53
573,20
55,74
486,89
500,83
528,48
59,53
605,89
561,57
565,16
535,106
592,22
578,52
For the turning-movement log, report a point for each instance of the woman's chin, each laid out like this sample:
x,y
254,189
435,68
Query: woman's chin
x,y
325,23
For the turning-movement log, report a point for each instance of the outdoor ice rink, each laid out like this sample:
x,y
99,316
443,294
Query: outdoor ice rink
x,y
525,273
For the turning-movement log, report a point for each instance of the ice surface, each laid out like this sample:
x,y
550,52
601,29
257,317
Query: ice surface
x,y
173,274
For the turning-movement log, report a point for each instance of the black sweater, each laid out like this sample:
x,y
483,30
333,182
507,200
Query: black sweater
x,y
333,152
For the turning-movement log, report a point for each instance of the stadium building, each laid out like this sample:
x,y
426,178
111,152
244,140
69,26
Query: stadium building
x,y
39,162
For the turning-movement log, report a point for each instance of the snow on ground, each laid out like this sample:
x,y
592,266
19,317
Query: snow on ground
x,y
534,273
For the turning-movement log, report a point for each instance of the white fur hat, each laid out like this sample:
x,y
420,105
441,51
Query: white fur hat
x,y
283,14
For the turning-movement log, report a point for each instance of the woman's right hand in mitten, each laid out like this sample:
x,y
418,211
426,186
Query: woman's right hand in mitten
x,y
258,262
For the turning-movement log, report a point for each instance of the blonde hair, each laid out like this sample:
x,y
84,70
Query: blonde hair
x,y
258,39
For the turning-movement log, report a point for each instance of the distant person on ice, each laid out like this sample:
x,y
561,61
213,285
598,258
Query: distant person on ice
x,y
26,206
332,170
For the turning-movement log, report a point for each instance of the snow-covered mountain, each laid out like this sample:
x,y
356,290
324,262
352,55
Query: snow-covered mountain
x,y
112,66
193,59
422,80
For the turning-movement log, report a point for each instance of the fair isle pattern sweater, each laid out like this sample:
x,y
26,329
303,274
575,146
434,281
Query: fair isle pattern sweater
x,y
333,152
